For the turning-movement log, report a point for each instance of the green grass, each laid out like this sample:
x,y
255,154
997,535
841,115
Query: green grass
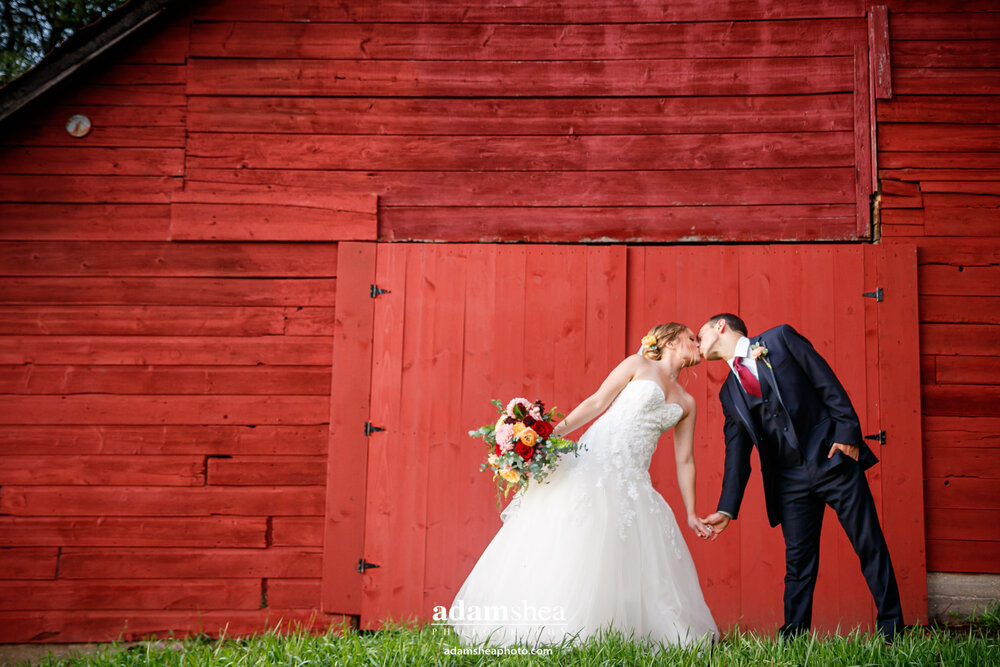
x,y
978,643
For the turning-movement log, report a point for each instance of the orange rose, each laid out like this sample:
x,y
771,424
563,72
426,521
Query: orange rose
x,y
528,437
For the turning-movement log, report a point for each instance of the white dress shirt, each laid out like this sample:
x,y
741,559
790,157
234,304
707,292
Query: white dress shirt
x,y
743,352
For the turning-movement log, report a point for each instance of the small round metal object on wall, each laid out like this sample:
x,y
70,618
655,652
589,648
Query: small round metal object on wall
x,y
78,125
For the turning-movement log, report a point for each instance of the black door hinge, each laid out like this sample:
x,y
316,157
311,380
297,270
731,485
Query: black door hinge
x,y
369,429
376,290
364,565
877,294
880,437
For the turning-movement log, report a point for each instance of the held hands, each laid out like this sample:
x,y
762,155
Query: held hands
x,y
850,450
696,524
717,522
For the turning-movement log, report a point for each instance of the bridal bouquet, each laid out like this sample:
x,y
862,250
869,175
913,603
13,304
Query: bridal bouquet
x,y
520,444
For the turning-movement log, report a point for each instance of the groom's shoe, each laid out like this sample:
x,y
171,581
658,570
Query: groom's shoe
x,y
790,632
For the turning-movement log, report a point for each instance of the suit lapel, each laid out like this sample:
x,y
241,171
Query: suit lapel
x,y
739,401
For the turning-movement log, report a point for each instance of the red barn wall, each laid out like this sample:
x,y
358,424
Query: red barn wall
x,y
170,280
939,161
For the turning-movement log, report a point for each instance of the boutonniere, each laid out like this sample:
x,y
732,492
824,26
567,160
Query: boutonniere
x,y
759,353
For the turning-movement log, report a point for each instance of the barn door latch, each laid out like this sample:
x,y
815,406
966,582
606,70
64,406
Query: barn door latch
x,y
877,294
880,437
364,565
376,290
369,429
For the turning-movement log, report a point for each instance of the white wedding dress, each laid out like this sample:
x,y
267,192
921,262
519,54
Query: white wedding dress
x,y
594,547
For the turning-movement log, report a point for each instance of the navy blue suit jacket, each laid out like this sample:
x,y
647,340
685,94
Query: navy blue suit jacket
x,y
816,408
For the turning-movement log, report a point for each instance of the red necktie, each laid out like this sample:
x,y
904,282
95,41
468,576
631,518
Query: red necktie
x,y
750,383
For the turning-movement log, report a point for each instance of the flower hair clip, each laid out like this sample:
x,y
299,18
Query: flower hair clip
x,y
649,342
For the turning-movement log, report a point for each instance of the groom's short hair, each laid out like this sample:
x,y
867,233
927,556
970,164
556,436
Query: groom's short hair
x,y
732,321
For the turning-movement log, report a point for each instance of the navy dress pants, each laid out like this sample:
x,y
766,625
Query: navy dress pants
x,y
805,492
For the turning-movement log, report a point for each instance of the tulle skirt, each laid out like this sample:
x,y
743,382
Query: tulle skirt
x,y
580,555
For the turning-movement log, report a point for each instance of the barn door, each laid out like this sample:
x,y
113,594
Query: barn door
x,y
871,345
460,325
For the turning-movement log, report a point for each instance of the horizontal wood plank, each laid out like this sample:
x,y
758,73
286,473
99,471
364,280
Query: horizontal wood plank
x,y
255,222
943,279
267,471
962,493
72,626
85,222
294,593
87,161
963,556
960,400
968,370
199,291
963,462
88,595
937,160
163,409
111,531
166,320
499,153
947,137
960,309
955,24
463,41
167,350
50,259
963,525
523,117
939,109
86,563
444,78
962,52
600,223
947,432
166,380
604,188
151,501
945,81
29,562
175,440
102,470
297,531
493,11
114,189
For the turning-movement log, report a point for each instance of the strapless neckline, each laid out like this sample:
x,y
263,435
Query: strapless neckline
x,y
657,385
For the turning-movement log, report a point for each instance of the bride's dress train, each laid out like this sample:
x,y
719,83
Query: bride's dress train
x,y
595,548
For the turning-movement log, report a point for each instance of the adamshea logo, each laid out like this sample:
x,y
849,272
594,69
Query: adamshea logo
x,y
460,614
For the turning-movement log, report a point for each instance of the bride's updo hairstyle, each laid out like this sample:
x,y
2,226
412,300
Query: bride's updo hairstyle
x,y
663,333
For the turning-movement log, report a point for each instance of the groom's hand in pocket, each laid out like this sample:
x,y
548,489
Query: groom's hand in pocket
x,y
852,451
718,521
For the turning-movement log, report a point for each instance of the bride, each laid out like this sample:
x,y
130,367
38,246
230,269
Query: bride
x,y
595,547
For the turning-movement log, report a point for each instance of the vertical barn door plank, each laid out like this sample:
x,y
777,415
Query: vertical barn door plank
x,y
849,360
445,437
767,298
382,500
899,370
349,406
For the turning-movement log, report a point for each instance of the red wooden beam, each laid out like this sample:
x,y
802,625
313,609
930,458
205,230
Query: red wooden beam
x,y
878,48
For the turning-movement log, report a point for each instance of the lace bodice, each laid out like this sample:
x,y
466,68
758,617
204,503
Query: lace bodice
x,y
616,452
625,436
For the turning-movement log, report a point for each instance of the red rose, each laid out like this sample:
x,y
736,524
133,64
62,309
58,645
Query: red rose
x,y
496,450
525,451
542,428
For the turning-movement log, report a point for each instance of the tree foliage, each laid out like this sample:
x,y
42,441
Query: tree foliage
x,y
29,29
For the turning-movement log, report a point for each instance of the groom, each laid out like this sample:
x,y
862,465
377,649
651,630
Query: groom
x,y
782,397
